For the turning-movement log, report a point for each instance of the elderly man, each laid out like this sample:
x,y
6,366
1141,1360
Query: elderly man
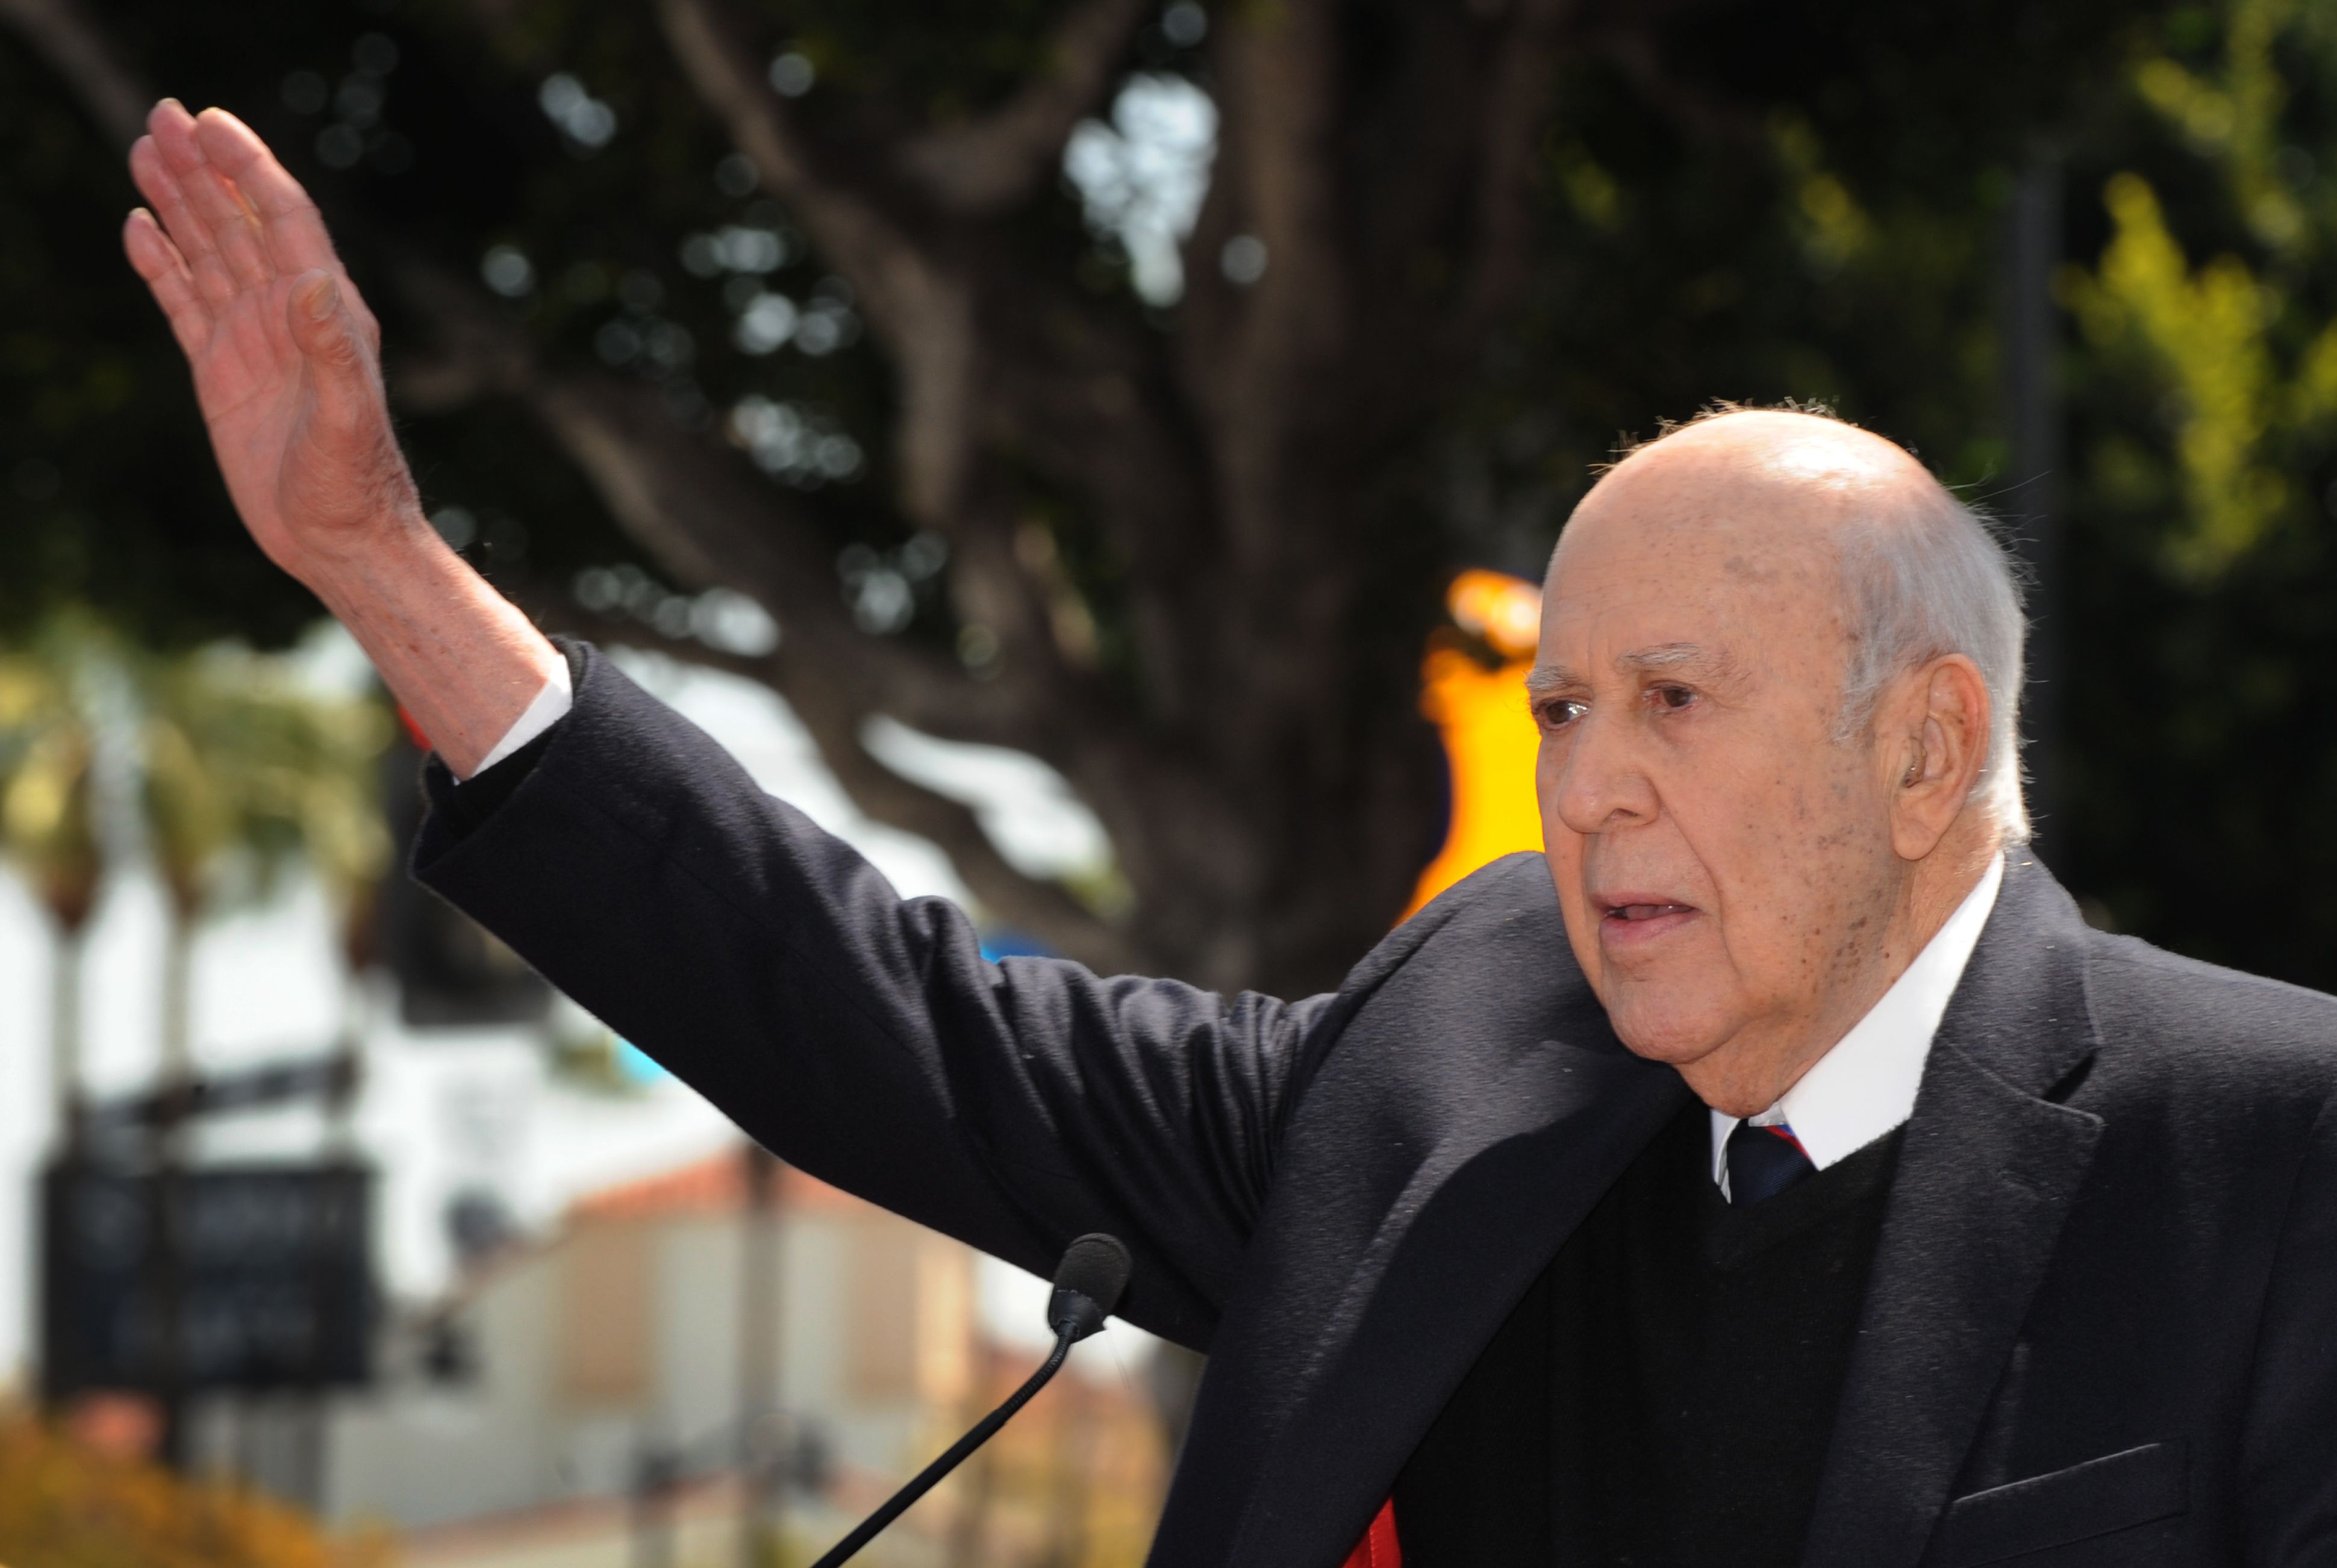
x,y
1782,1172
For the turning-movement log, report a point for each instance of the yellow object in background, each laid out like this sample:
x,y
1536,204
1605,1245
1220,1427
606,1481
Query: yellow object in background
x,y
64,1505
1489,734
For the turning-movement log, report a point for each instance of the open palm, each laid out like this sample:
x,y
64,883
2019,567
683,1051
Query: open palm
x,y
286,355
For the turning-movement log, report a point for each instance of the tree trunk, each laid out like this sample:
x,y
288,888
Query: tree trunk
x,y
64,1037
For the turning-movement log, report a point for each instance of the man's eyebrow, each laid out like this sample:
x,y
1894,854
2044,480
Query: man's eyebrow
x,y
1548,678
1671,655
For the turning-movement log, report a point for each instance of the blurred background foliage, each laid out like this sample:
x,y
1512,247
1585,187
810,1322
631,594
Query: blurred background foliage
x,y
48,828
243,773
1728,201
66,1504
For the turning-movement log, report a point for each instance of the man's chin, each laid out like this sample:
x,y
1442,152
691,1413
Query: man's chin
x,y
1665,1034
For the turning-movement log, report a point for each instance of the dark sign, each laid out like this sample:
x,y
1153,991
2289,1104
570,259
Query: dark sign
x,y
249,1277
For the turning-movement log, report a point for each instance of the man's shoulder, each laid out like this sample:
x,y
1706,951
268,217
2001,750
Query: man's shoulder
x,y
2223,1022
1516,886
1485,962
1506,903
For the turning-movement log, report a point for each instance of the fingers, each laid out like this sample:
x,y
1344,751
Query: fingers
x,y
158,261
234,227
280,212
188,232
290,227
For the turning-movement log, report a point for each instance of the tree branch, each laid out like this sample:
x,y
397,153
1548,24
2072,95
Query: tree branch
x,y
1631,41
1044,909
1279,67
997,162
1515,106
708,517
921,309
113,94
956,320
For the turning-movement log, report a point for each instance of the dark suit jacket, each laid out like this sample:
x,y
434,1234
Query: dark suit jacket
x,y
2101,1326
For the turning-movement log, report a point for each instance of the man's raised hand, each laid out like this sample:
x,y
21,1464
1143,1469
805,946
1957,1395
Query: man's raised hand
x,y
286,356
288,369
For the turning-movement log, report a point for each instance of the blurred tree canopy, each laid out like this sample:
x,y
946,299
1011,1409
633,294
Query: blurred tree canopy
x,y
886,318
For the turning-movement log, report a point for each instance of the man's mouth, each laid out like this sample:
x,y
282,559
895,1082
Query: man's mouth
x,y
1646,911
1632,918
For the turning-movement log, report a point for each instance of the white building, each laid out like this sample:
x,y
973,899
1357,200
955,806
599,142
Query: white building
x,y
626,1338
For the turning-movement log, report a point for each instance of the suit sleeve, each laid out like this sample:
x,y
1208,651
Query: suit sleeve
x,y
863,1037
2289,1464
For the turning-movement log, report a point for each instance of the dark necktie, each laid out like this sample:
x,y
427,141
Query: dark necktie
x,y
1763,1162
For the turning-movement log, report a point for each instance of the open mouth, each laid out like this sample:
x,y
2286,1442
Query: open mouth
x,y
1631,913
1629,919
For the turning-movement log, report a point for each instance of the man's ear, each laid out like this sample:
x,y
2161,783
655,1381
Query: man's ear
x,y
1942,744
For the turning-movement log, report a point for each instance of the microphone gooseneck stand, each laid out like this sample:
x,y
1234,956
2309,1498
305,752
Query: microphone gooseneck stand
x,y
1088,1286
928,1477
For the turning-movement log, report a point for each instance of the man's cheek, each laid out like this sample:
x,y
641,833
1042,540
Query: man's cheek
x,y
1574,910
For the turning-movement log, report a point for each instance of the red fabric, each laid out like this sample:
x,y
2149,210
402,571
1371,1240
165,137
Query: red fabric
x,y
1787,1134
1378,1548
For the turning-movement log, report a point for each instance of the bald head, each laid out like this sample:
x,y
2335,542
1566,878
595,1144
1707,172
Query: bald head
x,y
1779,487
1775,688
1919,573
1808,454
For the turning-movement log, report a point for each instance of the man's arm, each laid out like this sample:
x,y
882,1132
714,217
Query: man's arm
x,y
287,362
632,861
863,1037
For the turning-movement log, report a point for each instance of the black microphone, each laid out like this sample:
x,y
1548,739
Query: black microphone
x,y
1088,1285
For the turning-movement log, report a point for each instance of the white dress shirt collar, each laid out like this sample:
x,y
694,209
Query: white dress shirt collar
x,y
1865,1085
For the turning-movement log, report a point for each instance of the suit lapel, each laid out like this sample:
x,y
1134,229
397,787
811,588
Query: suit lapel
x,y
1365,1304
1986,1178
1462,1112
1482,1215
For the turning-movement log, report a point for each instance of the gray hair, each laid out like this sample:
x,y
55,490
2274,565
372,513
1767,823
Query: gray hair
x,y
1934,580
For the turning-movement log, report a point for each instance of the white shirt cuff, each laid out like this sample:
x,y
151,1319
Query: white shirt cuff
x,y
550,706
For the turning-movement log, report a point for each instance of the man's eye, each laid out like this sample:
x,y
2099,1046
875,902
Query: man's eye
x,y
1672,696
1560,712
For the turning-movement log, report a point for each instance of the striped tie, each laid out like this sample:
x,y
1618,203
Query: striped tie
x,y
1763,1162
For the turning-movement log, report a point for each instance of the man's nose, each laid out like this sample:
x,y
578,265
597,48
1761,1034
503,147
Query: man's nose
x,y
1597,781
